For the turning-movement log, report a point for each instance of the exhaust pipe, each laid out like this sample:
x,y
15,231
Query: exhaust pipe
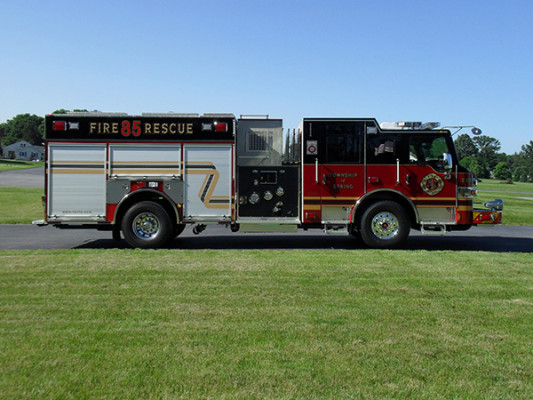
x,y
198,229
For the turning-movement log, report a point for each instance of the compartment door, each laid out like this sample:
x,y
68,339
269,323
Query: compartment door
x,y
76,181
145,160
208,178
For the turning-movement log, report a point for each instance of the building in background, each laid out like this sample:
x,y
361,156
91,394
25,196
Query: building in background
x,y
23,151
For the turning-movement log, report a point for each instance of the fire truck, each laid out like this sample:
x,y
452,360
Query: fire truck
x,y
148,176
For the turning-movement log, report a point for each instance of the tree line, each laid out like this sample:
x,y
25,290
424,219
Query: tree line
x,y
480,154
28,127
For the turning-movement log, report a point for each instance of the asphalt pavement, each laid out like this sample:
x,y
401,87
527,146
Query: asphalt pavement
x,y
494,239
28,178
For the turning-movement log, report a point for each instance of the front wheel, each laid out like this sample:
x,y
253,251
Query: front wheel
x,y
384,225
147,225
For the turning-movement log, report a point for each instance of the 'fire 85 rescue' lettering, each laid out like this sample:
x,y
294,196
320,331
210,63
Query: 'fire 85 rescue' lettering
x,y
136,128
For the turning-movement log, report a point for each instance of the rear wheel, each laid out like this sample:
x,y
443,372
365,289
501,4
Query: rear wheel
x,y
384,224
147,225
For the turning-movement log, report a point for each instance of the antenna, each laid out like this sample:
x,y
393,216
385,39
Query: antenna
x,y
475,131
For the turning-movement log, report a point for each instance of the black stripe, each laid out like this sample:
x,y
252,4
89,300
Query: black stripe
x,y
208,184
200,166
447,203
329,202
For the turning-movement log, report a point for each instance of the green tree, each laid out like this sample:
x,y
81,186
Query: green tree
x,y
488,151
465,147
473,165
24,127
502,171
524,164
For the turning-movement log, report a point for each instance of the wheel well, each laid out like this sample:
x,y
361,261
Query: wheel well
x,y
144,195
380,196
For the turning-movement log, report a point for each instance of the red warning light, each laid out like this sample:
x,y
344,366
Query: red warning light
x,y
221,127
59,125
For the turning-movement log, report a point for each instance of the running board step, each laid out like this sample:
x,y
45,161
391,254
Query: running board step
x,y
336,229
433,229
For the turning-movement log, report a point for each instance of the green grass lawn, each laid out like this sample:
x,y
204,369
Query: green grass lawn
x,y
20,205
517,197
265,324
8,165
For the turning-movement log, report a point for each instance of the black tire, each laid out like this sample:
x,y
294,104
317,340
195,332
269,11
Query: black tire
x,y
147,225
385,225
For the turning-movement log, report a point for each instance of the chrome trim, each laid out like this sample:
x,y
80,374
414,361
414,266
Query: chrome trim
x,y
385,225
495,205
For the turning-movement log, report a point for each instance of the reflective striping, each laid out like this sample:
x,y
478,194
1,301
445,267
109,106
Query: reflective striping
x,y
209,184
77,167
78,171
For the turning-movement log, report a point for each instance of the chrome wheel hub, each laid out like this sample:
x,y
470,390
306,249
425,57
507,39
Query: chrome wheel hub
x,y
146,226
385,225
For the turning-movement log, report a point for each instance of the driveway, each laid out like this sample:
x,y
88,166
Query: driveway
x,y
28,178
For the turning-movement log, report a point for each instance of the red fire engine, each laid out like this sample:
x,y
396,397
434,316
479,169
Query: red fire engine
x,y
149,176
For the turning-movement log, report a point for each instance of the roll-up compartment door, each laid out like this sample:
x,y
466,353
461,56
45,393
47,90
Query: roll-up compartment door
x,y
145,160
76,181
208,181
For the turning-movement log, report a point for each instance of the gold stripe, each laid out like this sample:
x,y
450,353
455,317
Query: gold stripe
x,y
77,162
433,198
144,163
78,171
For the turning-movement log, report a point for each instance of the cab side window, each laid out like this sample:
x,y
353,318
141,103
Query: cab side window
x,y
427,150
384,149
343,143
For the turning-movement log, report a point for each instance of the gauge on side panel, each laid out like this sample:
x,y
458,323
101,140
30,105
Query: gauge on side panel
x,y
254,198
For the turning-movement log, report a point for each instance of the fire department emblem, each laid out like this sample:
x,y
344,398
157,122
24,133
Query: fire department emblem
x,y
432,184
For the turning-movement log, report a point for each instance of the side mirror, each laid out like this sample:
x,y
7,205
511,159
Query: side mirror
x,y
448,161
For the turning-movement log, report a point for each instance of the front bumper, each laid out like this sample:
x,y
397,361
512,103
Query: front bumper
x,y
490,216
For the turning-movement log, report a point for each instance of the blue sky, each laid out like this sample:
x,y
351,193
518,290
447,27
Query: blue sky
x,y
456,62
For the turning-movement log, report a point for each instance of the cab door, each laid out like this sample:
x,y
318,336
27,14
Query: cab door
x,y
336,168
432,181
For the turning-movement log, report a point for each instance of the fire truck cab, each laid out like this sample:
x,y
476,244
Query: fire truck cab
x,y
149,176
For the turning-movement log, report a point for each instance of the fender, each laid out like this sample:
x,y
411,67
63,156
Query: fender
x,y
145,194
390,194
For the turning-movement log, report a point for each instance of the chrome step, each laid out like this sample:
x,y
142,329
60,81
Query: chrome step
x,y
433,229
